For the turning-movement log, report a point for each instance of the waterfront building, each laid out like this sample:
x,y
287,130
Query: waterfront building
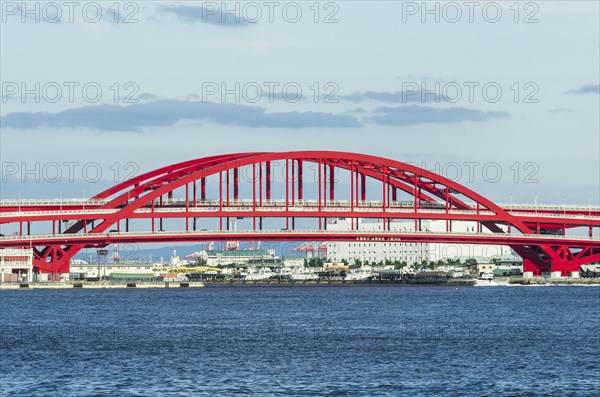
x,y
256,257
443,251
107,269
369,252
16,264
409,252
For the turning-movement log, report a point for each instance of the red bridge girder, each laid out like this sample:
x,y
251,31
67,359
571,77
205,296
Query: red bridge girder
x,y
426,188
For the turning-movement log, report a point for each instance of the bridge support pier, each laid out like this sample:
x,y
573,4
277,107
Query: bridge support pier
x,y
560,266
530,268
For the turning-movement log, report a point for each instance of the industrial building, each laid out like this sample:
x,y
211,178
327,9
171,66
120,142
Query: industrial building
x,y
409,252
16,264
375,252
107,269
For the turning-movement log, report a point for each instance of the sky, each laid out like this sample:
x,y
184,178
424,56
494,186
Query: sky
x,y
122,88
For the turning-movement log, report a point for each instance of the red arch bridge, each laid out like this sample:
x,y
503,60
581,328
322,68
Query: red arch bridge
x,y
297,187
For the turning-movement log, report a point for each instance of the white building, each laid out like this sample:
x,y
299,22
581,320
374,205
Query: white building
x,y
375,252
226,257
16,260
444,251
409,252
106,269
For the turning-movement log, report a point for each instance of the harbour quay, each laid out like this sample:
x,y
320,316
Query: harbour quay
x,y
100,285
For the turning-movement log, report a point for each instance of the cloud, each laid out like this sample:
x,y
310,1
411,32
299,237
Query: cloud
x,y
212,15
411,115
146,97
168,112
357,111
420,77
55,13
51,14
586,89
397,97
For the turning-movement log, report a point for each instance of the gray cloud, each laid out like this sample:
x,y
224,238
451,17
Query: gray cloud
x,y
213,16
586,89
146,97
357,111
420,77
57,14
168,112
561,110
411,115
397,97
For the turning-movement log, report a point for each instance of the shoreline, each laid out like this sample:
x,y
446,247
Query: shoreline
x,y
200,284
99,285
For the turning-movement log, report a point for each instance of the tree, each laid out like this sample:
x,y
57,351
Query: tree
x,y
315,262
453,262
471,262
400,265
200,261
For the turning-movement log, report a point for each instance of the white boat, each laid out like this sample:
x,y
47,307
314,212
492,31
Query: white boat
x,y
359,274
258,274
485,280
304,275
91,275
486,277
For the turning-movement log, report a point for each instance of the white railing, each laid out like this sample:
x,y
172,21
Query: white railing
x,y
33,202
303,202
406,203
550,207
291,232
295,208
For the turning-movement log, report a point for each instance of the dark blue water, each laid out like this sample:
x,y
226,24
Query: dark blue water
x,y
338,341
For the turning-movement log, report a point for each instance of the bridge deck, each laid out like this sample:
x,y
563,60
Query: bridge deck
x,y
297,235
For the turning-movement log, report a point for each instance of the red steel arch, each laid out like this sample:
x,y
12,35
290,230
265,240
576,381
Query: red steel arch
x,y
425,187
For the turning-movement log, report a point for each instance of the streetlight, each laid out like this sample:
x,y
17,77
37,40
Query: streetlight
x,y
102,253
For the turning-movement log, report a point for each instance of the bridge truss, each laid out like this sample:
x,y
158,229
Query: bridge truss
x,y
317,185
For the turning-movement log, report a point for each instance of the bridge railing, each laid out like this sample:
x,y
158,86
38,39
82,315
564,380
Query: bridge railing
x,y
305,202
550,207
294,208
291,232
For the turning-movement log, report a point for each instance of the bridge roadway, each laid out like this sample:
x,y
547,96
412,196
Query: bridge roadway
x,y
537,235
333,212
82,204
51,210
103,239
